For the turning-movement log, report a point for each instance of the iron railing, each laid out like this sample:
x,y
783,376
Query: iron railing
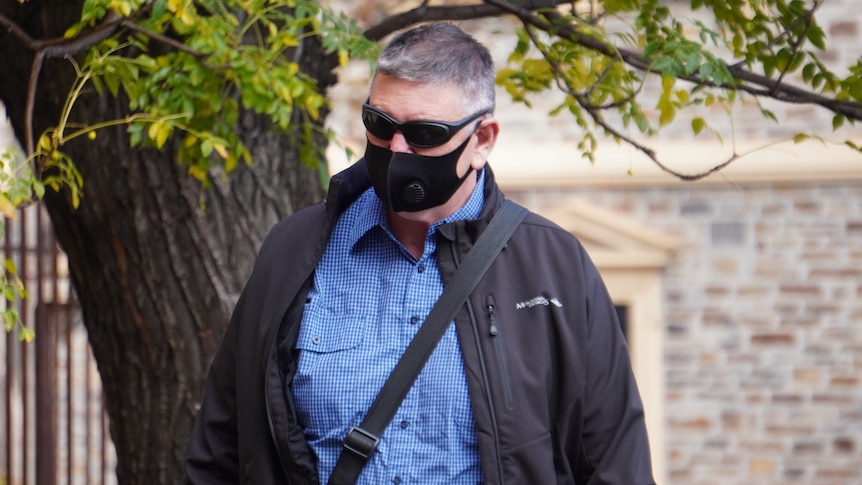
x,y
53,425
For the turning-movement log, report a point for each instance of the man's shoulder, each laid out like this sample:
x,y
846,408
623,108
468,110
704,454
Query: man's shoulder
x,y
300,228
542,223
543,233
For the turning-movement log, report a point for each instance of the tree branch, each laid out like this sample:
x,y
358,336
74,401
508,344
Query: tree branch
x,y
60,46
755,84
55,47
424,13
796,44
595,113
162,38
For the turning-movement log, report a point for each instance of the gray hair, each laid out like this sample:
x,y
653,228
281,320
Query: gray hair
x,y
442,54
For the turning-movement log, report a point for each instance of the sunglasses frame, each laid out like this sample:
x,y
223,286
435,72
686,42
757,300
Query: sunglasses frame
x,y
450,128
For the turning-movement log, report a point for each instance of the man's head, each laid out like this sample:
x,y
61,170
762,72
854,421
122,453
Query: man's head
x,y
429,119
443,55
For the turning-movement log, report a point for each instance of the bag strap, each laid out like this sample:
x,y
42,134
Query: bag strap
x,y
361,441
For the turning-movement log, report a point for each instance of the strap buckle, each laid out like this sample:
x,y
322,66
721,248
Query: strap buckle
x,y
360,442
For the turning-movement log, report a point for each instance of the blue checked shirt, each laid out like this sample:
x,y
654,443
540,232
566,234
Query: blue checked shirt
x,y
369,297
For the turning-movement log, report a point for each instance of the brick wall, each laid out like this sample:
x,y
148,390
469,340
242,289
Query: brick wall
x,y
763,328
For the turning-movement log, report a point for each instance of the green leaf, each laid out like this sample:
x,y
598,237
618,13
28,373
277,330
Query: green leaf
x,y
837,122
10,318
697,125
817,36
692,63
808,72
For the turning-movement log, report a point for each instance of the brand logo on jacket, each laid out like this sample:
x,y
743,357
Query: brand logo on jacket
x,y
538,301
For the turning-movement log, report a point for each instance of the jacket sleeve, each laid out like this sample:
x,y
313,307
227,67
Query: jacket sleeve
x,y
212,456
615,442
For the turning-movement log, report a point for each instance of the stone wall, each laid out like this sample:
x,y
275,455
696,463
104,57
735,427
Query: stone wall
x,y
763,328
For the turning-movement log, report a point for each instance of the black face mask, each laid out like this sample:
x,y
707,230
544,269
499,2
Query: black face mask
x,y
407,182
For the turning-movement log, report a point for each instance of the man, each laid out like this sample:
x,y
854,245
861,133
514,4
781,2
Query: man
x,y
532,382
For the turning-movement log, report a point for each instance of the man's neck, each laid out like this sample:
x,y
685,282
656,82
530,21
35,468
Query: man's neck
x,y
410,233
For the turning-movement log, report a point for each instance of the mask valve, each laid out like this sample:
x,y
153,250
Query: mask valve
x,y
413,193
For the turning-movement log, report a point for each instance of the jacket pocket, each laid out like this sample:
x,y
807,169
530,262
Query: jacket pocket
x,y
496,336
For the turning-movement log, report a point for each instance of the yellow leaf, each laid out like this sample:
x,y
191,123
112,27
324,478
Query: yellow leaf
x,y
667,115
26,334
153,130
7,208
159,132
10,266
174,5
198,173
220,149
667,83
45,143
342,57
187,18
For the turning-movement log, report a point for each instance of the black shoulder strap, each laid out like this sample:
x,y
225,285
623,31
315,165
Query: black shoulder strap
x,y
362,440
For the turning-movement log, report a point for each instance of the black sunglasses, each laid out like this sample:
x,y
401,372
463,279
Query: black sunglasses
x,y
419,133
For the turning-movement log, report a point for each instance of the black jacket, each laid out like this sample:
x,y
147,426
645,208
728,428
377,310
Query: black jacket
x,y
552,389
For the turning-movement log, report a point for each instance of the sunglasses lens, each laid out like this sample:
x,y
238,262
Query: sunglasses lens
x,y
425,134
378,125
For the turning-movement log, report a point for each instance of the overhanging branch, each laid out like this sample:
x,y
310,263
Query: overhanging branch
x,y
425,13
553,23
755,84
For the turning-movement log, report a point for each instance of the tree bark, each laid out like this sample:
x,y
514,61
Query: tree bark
x,y
156,261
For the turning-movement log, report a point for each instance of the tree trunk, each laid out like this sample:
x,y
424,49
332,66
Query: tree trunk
x,y
156,261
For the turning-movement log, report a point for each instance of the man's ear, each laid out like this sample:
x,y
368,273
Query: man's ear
x,y
486,136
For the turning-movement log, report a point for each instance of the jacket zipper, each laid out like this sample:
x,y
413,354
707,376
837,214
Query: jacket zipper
x,y
494,331
474,324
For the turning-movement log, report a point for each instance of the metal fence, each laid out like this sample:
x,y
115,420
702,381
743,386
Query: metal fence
x,y
53,426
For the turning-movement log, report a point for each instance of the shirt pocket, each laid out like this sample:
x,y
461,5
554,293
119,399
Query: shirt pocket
x,y
324,332
326,386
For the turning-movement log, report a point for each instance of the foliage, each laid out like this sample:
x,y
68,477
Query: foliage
x,y
718,54
17,187
222,56
187,68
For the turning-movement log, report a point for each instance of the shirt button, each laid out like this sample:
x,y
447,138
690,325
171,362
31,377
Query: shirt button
x,y
414,319
405,424
396,480
315,340
421,268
